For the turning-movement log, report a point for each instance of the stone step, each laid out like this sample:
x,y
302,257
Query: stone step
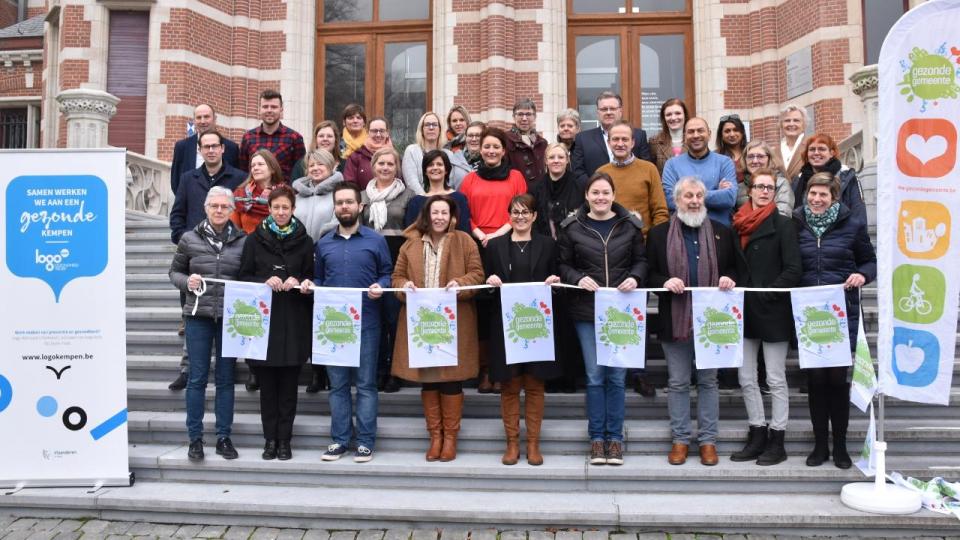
x,y
149,282
161,298
152,248
155,264
572,473
801,514
148,237
155,319
913,436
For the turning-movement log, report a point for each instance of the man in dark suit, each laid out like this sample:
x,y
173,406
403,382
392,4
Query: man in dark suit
x,y
186,155
590,149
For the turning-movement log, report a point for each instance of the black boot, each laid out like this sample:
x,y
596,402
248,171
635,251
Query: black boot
x,y
820,418
283,450
179,383
252,384
756,442
318,381
269,449
774,452
839,419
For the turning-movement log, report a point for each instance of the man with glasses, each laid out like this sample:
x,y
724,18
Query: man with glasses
x,y
590,148
525,147
188,208
186,153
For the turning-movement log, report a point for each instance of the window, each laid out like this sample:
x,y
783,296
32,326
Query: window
x,y
375,53
13,128
641,49
127,78
879,17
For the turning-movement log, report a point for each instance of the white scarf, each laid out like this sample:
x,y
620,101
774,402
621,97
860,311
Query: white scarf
x,y
379,199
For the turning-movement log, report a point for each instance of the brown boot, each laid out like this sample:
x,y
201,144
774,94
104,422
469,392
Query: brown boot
x,y
484,386
510,410
431,411
451,408
533,417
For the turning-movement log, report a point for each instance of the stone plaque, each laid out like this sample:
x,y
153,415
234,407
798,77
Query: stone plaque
x,y
799,73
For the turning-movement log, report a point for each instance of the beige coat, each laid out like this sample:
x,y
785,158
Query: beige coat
x,y
461,262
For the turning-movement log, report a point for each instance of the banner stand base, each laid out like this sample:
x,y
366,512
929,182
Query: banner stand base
x,y
96,487
16,488
891,499
879,497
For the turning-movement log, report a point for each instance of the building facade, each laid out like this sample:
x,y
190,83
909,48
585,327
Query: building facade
x,y
400,58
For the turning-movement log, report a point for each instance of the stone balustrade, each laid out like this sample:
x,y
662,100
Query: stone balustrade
x,y
148,185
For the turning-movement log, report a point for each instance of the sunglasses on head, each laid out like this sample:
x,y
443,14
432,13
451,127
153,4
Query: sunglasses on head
x,y
729,117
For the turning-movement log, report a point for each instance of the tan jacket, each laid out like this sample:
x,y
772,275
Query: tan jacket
x,y
461,262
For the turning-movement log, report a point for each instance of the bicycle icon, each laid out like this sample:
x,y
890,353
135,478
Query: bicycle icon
x,y
915,301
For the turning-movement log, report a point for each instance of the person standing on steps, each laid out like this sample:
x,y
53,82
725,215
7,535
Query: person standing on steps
x,y
769,242
835,248
211,249
284,143
354,256
590,149
525,147
518,258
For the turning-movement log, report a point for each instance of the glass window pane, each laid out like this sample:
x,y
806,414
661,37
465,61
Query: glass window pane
x,y
879,16
662,74
646,6
598,69
404,89
599,6
396,10
344,76
347,10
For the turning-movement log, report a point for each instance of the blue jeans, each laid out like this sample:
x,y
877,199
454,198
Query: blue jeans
x,y
605,390
365,377
680,363
201,333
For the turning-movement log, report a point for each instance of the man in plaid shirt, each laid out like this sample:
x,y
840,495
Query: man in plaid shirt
x,y
285,143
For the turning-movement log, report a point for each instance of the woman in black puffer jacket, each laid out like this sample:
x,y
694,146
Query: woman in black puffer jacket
x,y
211,250
601,246
835,248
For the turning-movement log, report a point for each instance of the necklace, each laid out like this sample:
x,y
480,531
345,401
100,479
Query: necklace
x,y
523,247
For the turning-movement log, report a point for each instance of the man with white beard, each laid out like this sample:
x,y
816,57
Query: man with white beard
x,y
689,251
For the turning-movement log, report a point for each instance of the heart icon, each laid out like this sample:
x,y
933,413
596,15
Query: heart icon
x,y
926,149
954,51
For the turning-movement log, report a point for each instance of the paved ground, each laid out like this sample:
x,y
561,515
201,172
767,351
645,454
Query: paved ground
x,y
16,528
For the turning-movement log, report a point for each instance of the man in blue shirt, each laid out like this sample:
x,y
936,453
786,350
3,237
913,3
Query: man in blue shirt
x,y
354,256
716,171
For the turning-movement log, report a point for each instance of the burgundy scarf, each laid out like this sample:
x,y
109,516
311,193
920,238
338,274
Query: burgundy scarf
x,y
708,275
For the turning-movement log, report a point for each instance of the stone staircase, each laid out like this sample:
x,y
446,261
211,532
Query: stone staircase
x,y
398,488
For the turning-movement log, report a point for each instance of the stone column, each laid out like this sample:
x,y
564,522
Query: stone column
x,y
865,84
88,114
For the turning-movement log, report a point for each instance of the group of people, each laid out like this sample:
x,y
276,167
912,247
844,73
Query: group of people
x,y
469,204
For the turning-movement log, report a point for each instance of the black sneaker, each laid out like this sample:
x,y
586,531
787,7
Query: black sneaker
x,y
225,448
644,388
195,453
179,383
363,454
614,452
334,452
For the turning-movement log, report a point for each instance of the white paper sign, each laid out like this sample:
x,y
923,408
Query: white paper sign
x,y
432,328
246,320
527,316
718,328
620,331
337,320
821,322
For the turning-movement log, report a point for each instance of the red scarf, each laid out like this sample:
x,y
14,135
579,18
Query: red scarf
x,y
748,218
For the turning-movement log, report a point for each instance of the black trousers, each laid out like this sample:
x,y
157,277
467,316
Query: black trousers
x,y
278,399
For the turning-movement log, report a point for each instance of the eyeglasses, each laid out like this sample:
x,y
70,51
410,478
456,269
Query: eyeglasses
x,y
608,109
521,213
524,114
764,187
219,207
210,146
377,131
729,117
474,135
432,125
757,157
818,150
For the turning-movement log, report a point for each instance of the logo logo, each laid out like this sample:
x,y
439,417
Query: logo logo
x,y
916,357
719,327
51,262
529,323
248,320
918,293
923,231
434,327
927,147
621,328
929,76
822,327
338,327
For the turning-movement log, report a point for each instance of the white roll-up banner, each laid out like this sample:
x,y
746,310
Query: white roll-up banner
x,y
63,379
917,198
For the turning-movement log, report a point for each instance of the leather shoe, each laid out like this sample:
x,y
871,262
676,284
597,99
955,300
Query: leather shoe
x,y
269,449
195,452
708,454
225,448
179,383
644,388
283,450
678,454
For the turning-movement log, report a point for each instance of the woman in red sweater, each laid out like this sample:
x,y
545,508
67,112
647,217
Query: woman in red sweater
x,y
491,187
